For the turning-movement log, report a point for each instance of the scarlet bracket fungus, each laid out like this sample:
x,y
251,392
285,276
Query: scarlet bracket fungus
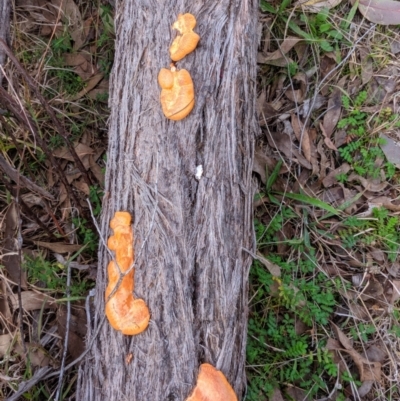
x,y
212,386
125,313
177,94
187,41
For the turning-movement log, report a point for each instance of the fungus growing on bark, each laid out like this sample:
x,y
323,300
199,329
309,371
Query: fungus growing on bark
x,y
212,386
125,313
177,94
187,41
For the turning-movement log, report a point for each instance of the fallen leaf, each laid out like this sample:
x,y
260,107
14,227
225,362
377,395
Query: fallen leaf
x,y
83,152
278,57
77,329
283,142
59,247
92,83
396,291
391,149
344,340
36,354
315,6
5,311
298,90
297,394
302,136
332,115
367,184
327,140
376,354
330,179
382,12
262,162
10,257
31,300
365,388
273,268
6,341
367,71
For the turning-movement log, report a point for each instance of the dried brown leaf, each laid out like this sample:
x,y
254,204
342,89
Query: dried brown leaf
x,y
283,142
36,355
5,312
330,179
274,269
376,353
332,115
300,82
276,396
391,149
6,341
368,370
344,340
396,291
302,136
31,301
11,258
97,171
327,140
382,12
91,84
81,150
368,184
297,394
278,57
59,247
315,6
261,163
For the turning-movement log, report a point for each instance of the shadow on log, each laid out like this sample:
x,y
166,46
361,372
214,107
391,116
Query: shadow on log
x,y
190,235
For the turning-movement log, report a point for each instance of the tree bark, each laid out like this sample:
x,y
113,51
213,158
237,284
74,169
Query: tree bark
x,y
191,235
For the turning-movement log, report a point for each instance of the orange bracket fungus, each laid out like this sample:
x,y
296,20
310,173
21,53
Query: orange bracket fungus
x,y
125,313
187,41
177,94
212,386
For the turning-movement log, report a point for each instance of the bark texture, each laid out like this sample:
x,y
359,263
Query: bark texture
x,y
191,268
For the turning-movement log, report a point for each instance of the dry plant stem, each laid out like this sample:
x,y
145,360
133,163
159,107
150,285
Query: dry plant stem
x,y
68,320
4,30
39,375
50,111
9,103
16,176
9,131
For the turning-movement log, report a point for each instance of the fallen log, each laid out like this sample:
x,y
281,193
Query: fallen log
x,y
188,186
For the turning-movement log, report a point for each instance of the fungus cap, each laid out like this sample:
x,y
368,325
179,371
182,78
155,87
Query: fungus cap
x,y
212,386
187,41
177,101
125,313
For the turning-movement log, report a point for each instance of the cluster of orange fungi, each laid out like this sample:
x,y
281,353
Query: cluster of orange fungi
x,y
212,386
177,90
125,313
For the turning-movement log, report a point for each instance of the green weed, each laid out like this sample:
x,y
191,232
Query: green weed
x,y
52,277
381,230
363,152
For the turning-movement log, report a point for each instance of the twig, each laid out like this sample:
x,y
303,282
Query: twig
x,y
64,357
49,110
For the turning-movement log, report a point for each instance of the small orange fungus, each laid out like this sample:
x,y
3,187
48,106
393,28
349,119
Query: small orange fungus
x,y
187,41
212,386
125,313
177,94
